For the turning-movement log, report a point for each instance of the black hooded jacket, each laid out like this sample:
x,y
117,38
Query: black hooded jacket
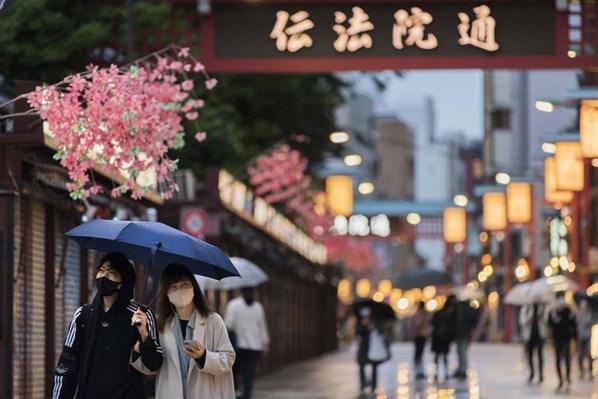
x,y
98,349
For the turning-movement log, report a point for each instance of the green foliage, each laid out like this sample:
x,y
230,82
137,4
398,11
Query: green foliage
x,y
49,39
246,114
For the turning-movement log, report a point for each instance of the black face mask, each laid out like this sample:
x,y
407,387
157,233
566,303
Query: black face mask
x,y
106,287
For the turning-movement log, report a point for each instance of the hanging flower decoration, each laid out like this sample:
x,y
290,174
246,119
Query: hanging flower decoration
x,y
279,175
124,120
311,214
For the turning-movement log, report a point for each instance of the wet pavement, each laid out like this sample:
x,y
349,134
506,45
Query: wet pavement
x,y
497,371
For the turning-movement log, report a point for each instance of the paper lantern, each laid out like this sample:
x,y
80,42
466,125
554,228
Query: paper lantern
x,y
551,194
588,128
339,195
569,166
344,290
363,287
495,211
519,203
385,287
454,225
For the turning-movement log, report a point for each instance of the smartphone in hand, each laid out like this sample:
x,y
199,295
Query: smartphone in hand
x,y
189,344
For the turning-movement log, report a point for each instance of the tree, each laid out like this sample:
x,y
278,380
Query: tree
x,y
49,39
244,115
247,114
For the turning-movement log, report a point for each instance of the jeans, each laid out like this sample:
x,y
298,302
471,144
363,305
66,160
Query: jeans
x,y
535,346
244,367
462,347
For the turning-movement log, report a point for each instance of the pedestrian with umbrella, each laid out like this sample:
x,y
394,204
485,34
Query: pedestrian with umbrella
x,y
372,330
246,320
84,368
443,334
585,322
104,336
562,322
422,323
532,320
198,353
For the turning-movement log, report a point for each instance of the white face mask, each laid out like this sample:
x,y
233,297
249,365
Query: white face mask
x,y
181,297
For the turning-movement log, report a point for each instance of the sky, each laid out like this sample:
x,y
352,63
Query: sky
x,y
457,96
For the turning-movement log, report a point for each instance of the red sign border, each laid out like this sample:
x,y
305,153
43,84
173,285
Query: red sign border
x,y
327,64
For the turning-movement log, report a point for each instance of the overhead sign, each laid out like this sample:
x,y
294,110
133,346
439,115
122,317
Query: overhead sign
x,y
270,36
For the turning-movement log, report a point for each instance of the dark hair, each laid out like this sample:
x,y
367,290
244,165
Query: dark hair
x,y
120,263
174,273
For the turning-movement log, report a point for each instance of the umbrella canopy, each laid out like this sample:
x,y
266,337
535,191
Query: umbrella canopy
x,y
468,293
544,289
541,290
154,244
422,277
519,295
379,310
250,276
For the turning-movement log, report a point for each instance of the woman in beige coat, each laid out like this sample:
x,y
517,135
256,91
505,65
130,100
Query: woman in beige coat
x,y
198,355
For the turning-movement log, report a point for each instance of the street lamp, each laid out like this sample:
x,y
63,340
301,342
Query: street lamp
x,y
503,178
339,137
461,200
353,160
366,188
544,106
549,148
413,219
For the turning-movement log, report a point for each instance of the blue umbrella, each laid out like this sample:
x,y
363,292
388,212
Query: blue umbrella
x,y
154,244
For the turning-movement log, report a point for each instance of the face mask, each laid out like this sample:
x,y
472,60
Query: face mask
x,y
181,297
106,287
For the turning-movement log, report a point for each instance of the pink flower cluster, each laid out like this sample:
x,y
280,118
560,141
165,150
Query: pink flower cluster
x,y
123,120
280,175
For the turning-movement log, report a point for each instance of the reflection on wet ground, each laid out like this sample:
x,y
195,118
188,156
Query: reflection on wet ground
x,y
497,371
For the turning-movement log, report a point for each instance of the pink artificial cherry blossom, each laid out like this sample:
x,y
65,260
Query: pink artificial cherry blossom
x,y
122,120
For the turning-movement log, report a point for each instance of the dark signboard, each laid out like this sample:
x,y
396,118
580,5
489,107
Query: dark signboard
x,y
337,35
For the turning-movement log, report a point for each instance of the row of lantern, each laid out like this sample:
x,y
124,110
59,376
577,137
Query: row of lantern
x,y
500,209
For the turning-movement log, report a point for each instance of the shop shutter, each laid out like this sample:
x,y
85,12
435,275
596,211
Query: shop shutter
x,y
37,295
29,304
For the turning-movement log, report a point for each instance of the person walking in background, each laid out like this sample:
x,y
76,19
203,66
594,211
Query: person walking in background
x,y
105,336
373,348
246,319
443,323
465,321
532,320
198,354
561,320
584,333
422,324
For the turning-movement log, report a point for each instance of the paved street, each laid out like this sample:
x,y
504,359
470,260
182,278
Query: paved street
x,y
497,372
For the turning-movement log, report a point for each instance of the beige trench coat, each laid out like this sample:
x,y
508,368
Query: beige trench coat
x,y
214,381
